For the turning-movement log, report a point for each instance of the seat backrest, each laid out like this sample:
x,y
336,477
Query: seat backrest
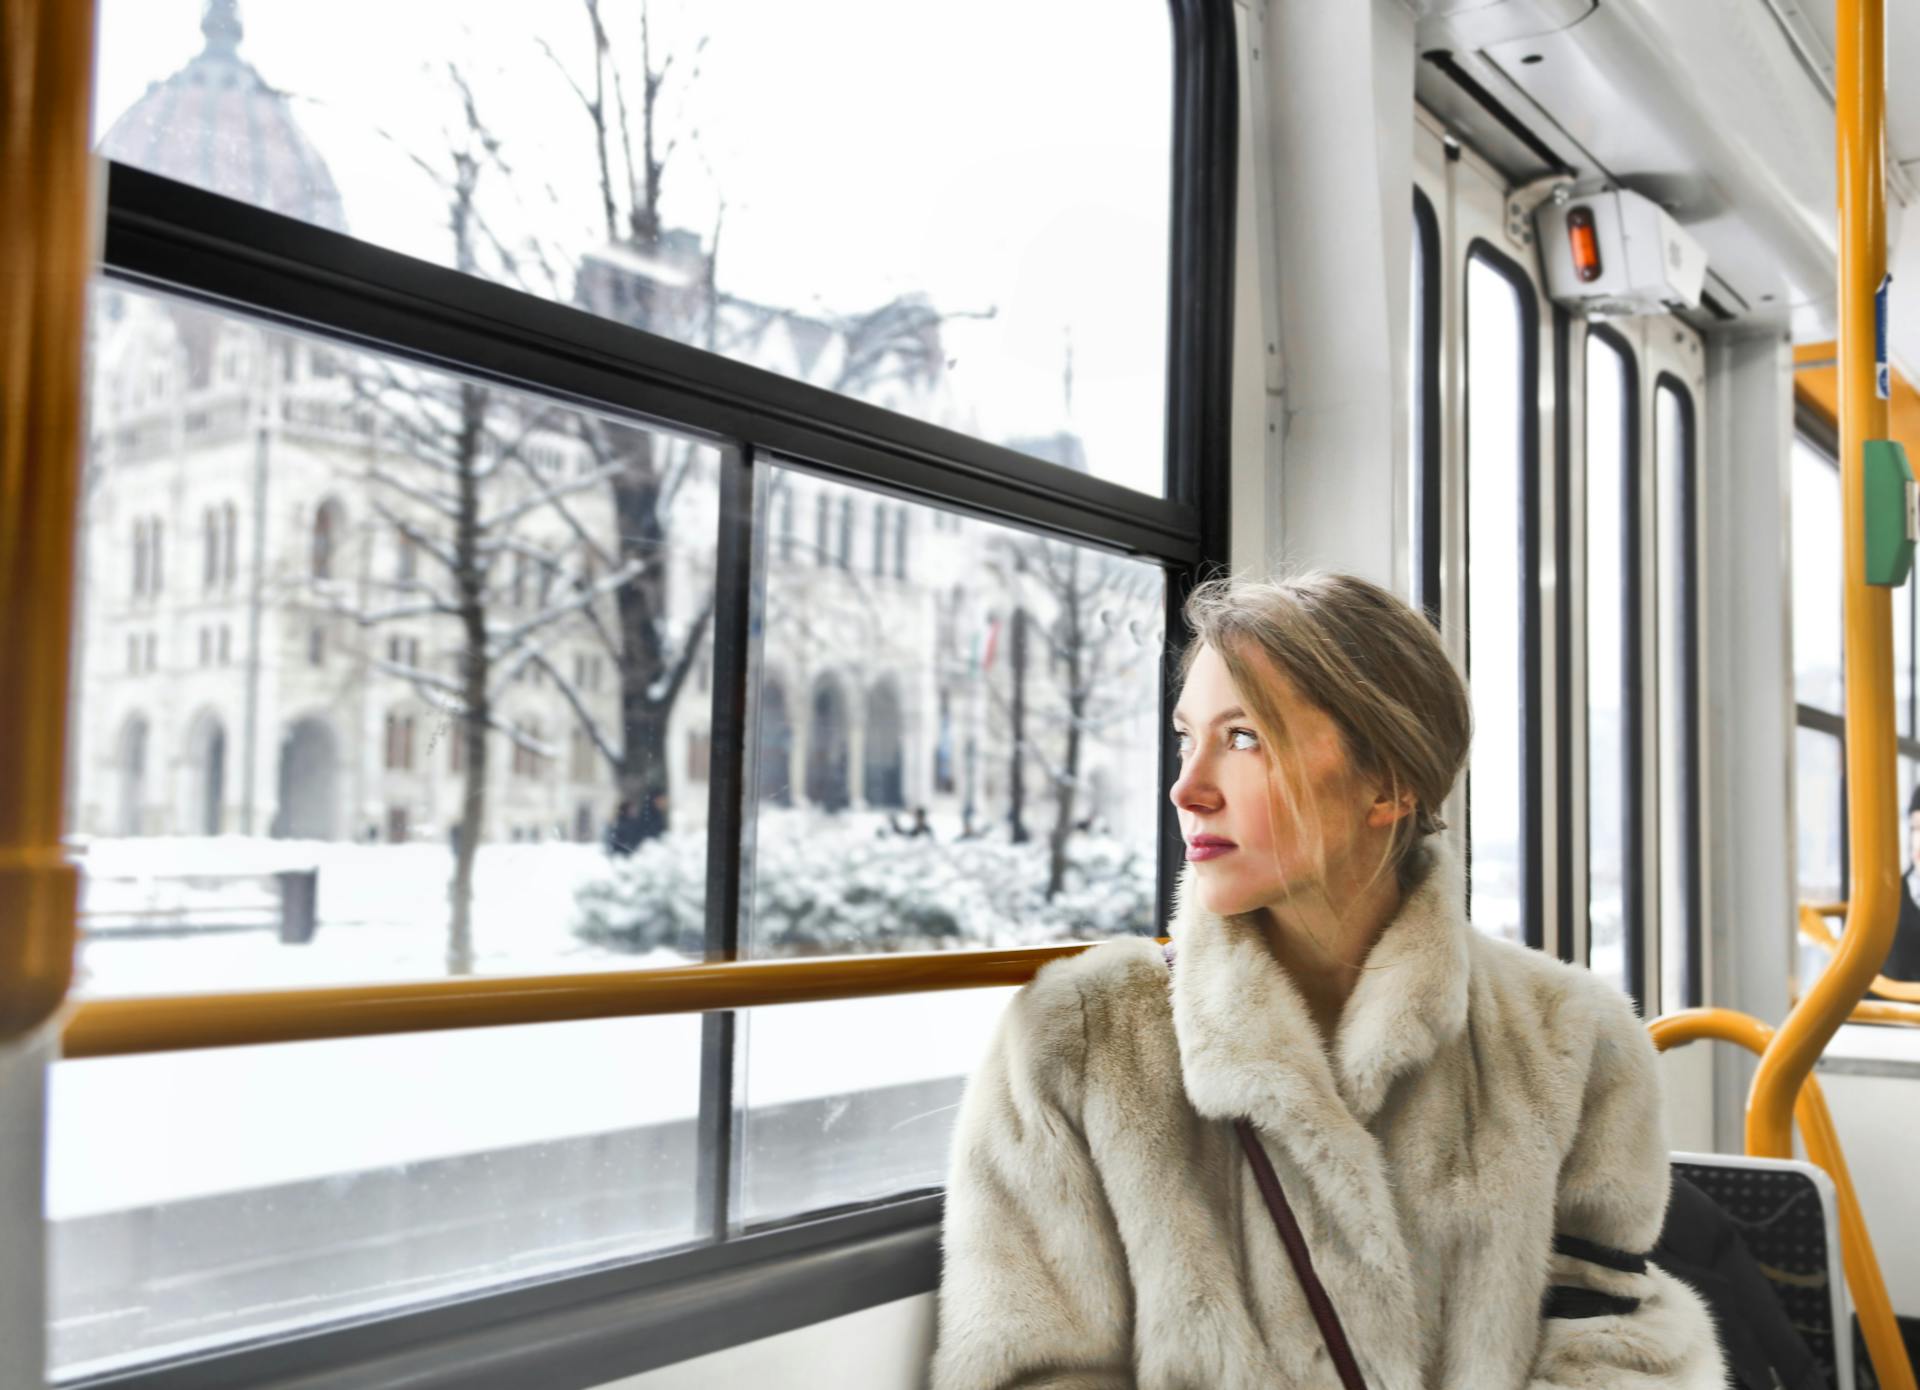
x,y
1788,1219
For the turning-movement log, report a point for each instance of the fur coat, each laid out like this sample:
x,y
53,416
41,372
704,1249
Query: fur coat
x,y
1478,1166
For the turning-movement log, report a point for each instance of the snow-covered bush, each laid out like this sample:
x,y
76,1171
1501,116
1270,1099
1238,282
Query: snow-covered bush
x,y
832,885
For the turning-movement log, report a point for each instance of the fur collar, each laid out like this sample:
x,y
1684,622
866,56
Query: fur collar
x,y
1248,1046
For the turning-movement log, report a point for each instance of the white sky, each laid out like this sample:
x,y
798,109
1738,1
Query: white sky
x,y
991,155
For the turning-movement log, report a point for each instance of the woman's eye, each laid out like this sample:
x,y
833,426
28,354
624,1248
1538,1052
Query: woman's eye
x,y
1242,740
1182,741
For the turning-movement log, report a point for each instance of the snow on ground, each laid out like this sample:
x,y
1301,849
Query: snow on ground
x,y
136,1131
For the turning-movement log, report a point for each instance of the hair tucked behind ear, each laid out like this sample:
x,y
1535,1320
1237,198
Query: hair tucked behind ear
x,y
1371,662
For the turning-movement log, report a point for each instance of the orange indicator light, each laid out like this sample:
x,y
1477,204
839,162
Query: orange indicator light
x,y
1585,243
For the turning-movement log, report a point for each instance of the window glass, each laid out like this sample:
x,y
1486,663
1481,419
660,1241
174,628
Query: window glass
x,y
1816,579
1903,658
1677,667
967,757
827,191
972,750
374,784
1609,824
1818,812
280,1189
1497,362
832,1118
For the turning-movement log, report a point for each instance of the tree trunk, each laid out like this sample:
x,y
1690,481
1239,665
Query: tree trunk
x,y
470,577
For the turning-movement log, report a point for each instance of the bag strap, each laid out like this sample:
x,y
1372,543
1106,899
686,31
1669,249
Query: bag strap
x,y
1288,1228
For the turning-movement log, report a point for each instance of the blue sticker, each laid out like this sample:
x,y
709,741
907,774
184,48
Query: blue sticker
x,y
1882,384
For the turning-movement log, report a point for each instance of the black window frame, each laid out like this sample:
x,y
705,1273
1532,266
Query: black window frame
x,y
1634,615
588,1327
1426,416
1692,988
1532,681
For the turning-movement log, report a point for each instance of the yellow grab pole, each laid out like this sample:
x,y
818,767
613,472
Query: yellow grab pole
x,y
46,74
1872,805
1879,1328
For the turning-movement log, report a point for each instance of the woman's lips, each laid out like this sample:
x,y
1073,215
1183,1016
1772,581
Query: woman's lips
x,y
1203,847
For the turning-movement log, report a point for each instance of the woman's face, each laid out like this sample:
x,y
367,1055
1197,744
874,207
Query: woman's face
x,y
1251,847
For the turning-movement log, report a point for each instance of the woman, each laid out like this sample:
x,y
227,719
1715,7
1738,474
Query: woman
x,y
1467,1131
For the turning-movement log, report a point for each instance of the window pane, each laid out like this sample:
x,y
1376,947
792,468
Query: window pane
x,y
197,1199
1818,761
827,191
1609,824
1816,579
967,757
1903,658
1496,530
1674,600
342,764
855,1101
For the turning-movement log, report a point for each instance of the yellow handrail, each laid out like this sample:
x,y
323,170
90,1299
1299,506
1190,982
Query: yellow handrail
x,y
1872,811
1813,926
172,1023
46,80
1878,1325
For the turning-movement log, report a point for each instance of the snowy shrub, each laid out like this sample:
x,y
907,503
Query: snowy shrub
x,y
834,885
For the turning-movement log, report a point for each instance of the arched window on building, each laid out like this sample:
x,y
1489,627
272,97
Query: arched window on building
x,y
845,555
229,542
156,555
140,557
399,741
828,785
329,531
207,757
133,775
209,549
822,526
900,525
879,540
407,559
882,753
773,769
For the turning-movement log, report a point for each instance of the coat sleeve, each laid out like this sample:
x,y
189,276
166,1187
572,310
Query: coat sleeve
x,y
1033,1290
1611,1317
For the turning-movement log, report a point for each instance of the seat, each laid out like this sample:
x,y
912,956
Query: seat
x,y
1788,1218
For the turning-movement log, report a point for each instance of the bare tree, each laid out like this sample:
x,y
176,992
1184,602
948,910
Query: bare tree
x,y
1075,604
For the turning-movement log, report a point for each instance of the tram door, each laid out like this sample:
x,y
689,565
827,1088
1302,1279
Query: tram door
x,y
1555,536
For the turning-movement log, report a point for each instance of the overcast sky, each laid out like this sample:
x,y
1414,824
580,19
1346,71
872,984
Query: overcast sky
x,y
1004,154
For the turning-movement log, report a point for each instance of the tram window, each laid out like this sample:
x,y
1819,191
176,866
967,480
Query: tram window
x,y
386,450
198,1199
1819,808
1037,709
1903,683
1613,687
1499,537
1677,724
1816,580
746,185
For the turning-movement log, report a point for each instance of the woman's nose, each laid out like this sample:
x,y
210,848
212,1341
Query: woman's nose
x,y
1193,790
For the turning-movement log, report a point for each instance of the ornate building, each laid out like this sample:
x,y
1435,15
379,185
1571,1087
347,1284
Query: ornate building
x,y
272,645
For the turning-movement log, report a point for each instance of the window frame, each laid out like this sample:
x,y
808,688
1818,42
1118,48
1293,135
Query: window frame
x,y
1692,988
1427,420
589,1326
1633,720
1532,691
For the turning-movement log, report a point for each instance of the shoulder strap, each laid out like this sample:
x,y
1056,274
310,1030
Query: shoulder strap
x,y
1331,1331
1288,1227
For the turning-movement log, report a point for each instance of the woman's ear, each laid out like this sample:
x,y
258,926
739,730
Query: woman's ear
x,y
1390,807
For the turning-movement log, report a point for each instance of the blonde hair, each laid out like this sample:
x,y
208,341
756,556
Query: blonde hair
x,y
1371,662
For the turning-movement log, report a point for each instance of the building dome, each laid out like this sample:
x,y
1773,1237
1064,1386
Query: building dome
x,y
218,125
